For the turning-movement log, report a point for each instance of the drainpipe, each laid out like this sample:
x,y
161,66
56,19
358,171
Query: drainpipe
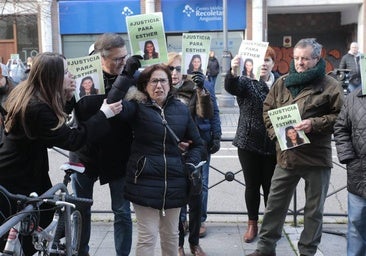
x,y
45,25
149,6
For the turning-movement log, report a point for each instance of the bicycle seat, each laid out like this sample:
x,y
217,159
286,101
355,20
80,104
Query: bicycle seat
x,y
70,166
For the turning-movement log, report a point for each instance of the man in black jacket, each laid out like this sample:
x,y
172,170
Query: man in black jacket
x,y
107,159
351,61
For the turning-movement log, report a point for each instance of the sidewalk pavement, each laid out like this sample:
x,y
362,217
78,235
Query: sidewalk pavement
x,y
224,234
225,238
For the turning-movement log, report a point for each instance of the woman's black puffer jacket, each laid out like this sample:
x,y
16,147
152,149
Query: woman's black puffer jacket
x,y
156,175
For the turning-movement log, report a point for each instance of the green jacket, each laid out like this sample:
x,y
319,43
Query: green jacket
x,y
321,102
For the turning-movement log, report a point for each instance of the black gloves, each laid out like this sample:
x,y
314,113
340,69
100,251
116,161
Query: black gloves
x,y
132,64
195,179
119,88
198,78
125,80
214,145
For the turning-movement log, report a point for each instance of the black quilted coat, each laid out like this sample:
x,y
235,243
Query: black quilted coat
x,y
350,137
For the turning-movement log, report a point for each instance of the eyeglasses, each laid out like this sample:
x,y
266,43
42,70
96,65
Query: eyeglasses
x,y
177,68
163,81
118,60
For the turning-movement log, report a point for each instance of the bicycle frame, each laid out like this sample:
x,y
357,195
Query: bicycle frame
x,y
40,236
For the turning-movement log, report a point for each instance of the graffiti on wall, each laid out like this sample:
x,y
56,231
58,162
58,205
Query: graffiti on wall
x,y
284,56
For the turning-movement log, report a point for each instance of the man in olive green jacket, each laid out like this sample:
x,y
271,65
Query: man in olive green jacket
x,y
319,99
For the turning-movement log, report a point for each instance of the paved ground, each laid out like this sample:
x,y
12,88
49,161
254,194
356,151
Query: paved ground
x,y
225,230
225,238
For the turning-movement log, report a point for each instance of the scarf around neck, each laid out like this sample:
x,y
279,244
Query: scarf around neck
x,y
295,81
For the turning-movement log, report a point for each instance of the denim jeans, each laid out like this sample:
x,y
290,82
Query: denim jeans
x,y
205,176
356,238
83,187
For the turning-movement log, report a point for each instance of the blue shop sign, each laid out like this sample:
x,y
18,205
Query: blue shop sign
x,y
202,15
100,16
96,16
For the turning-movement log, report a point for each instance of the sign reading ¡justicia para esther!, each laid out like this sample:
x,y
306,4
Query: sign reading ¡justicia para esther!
x,y
147,37
88,75
251,58
195,52
283,121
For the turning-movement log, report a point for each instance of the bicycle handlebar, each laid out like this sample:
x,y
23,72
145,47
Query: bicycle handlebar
x,y
50,193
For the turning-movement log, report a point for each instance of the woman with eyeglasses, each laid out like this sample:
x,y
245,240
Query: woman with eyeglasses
x,y
157,173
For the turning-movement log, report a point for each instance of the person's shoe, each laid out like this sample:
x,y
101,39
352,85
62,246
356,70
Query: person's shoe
x,y
196,250
181,251
252,231
258,253
203,230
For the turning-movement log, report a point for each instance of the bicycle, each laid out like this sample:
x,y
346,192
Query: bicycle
x,y
62,235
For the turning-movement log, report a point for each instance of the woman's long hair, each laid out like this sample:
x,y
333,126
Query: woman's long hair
x,y
93,90
190,67
288,140
44,84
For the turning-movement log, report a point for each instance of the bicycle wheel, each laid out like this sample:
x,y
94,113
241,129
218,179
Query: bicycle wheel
x,y
75,225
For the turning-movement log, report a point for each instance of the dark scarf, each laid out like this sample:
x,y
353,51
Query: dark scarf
x,y
295,81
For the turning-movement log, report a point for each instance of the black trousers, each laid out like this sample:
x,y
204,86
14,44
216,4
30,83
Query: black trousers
x,y
258,170
195,205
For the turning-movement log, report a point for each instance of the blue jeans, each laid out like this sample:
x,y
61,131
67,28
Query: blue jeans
x,y
356,238
83,187
205,176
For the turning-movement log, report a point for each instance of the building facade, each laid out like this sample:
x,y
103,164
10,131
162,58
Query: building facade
x,y
69,27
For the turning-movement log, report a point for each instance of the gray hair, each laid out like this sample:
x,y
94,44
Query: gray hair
x,y
106,42
317,48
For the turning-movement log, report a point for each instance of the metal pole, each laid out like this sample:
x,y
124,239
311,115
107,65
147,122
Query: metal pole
x,y
225,56
225,99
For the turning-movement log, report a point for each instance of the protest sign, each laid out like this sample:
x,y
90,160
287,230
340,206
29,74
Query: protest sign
x,y
251,58
283,121
195,52
363,72
147,37
88,75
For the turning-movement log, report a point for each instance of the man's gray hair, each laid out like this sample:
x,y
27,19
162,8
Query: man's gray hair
x,y
107,42
317,48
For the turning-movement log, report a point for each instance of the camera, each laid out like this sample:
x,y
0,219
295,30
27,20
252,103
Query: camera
x,y
343,76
